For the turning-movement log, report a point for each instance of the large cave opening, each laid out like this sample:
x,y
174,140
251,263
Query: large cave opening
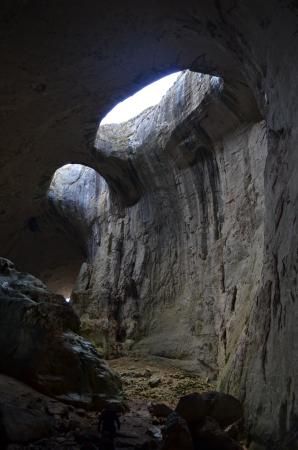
x,y
74,199
149,95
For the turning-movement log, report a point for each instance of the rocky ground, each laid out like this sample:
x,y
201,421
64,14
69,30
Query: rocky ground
x,y
148,387
53,382
77,430
156,380
144,381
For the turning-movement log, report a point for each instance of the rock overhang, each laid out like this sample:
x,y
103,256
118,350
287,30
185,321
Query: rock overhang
x,y
241,41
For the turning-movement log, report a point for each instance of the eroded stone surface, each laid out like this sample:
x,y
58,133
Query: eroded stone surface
x,y
68,72
40,344
176,274
165,276
27,415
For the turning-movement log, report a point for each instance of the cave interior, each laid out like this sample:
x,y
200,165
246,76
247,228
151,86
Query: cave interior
x,y
148,266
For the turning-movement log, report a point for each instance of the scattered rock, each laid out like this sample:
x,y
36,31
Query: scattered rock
x,y
157,421
154,381
138,373
155,432
175,382
192,407
57,409
74,428
177,435
224,408
209,436
159,409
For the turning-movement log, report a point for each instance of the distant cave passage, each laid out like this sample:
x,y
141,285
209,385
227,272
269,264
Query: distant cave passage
x,y
72,208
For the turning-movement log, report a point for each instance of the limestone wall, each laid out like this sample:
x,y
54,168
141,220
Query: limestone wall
x,y
69,72
175,274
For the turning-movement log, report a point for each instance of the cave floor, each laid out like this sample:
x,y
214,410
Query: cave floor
x,y
144,381
156,380
136,429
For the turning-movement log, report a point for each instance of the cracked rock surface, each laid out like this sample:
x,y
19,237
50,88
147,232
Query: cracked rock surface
x,y
165,276
63,66
39,344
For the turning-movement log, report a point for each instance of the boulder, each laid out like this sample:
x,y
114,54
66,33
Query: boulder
x,y
177,434
159,409
39,344
25,414
192,407
224,408
154,381
209,436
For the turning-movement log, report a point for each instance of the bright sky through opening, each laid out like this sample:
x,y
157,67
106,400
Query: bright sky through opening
x,y
141,100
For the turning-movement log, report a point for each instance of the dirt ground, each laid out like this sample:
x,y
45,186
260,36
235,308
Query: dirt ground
x,y
156,381
144,381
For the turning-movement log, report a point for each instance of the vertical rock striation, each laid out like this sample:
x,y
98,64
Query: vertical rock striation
x,y
176,273
68,73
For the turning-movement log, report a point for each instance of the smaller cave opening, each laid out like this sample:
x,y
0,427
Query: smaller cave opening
x,y
72,207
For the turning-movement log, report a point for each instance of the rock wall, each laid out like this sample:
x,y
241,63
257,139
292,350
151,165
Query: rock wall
x,y
40,345
77,61
175,274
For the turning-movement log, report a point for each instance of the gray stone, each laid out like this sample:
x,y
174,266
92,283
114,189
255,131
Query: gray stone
x,y
176,434
44,349
223,408
154,381
54,91
203,247
26,414
159,409
209,436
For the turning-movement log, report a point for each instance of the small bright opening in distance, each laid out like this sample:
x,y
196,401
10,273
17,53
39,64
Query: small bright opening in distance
x,y
141,100
67,299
